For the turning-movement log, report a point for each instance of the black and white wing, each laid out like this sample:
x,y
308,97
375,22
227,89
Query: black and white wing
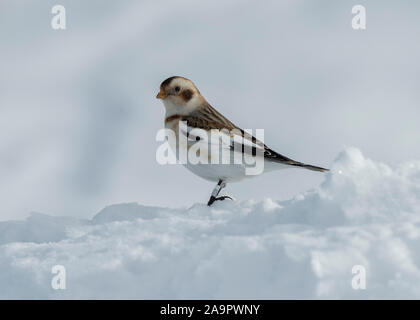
x,y
208,118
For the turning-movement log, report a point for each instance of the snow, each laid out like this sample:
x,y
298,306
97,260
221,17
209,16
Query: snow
x,y
364,213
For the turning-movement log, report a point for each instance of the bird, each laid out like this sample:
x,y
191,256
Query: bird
x,y
184,104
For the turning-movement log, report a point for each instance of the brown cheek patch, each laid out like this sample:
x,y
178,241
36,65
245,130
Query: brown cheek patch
x,y
186,95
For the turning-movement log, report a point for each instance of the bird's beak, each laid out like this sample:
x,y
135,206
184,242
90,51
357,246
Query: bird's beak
x,y
161,95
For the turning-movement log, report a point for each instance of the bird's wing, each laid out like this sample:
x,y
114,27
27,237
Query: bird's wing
x,y
207,118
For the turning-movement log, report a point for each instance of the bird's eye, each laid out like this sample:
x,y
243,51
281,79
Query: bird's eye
x,y
177,89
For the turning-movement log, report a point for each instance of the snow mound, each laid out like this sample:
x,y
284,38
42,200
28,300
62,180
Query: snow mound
x,y
364,213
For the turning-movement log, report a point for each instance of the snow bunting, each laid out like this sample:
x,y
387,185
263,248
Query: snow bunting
x,y
185,104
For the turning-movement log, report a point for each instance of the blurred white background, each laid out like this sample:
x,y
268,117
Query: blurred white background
x,y
78,114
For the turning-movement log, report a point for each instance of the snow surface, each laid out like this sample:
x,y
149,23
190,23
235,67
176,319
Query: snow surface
x,y
364,213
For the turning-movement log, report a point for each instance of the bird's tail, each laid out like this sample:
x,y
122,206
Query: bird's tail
x,y
308,166
276,157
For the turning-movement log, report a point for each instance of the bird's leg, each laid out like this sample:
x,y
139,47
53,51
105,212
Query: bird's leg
x,y
214,195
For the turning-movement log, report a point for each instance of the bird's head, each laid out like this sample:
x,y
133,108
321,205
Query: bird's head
x,y
179,95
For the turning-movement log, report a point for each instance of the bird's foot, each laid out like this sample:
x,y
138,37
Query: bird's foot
x,y
221,198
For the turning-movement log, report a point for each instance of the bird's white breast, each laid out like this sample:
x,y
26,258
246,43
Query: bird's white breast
x,y
212,172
